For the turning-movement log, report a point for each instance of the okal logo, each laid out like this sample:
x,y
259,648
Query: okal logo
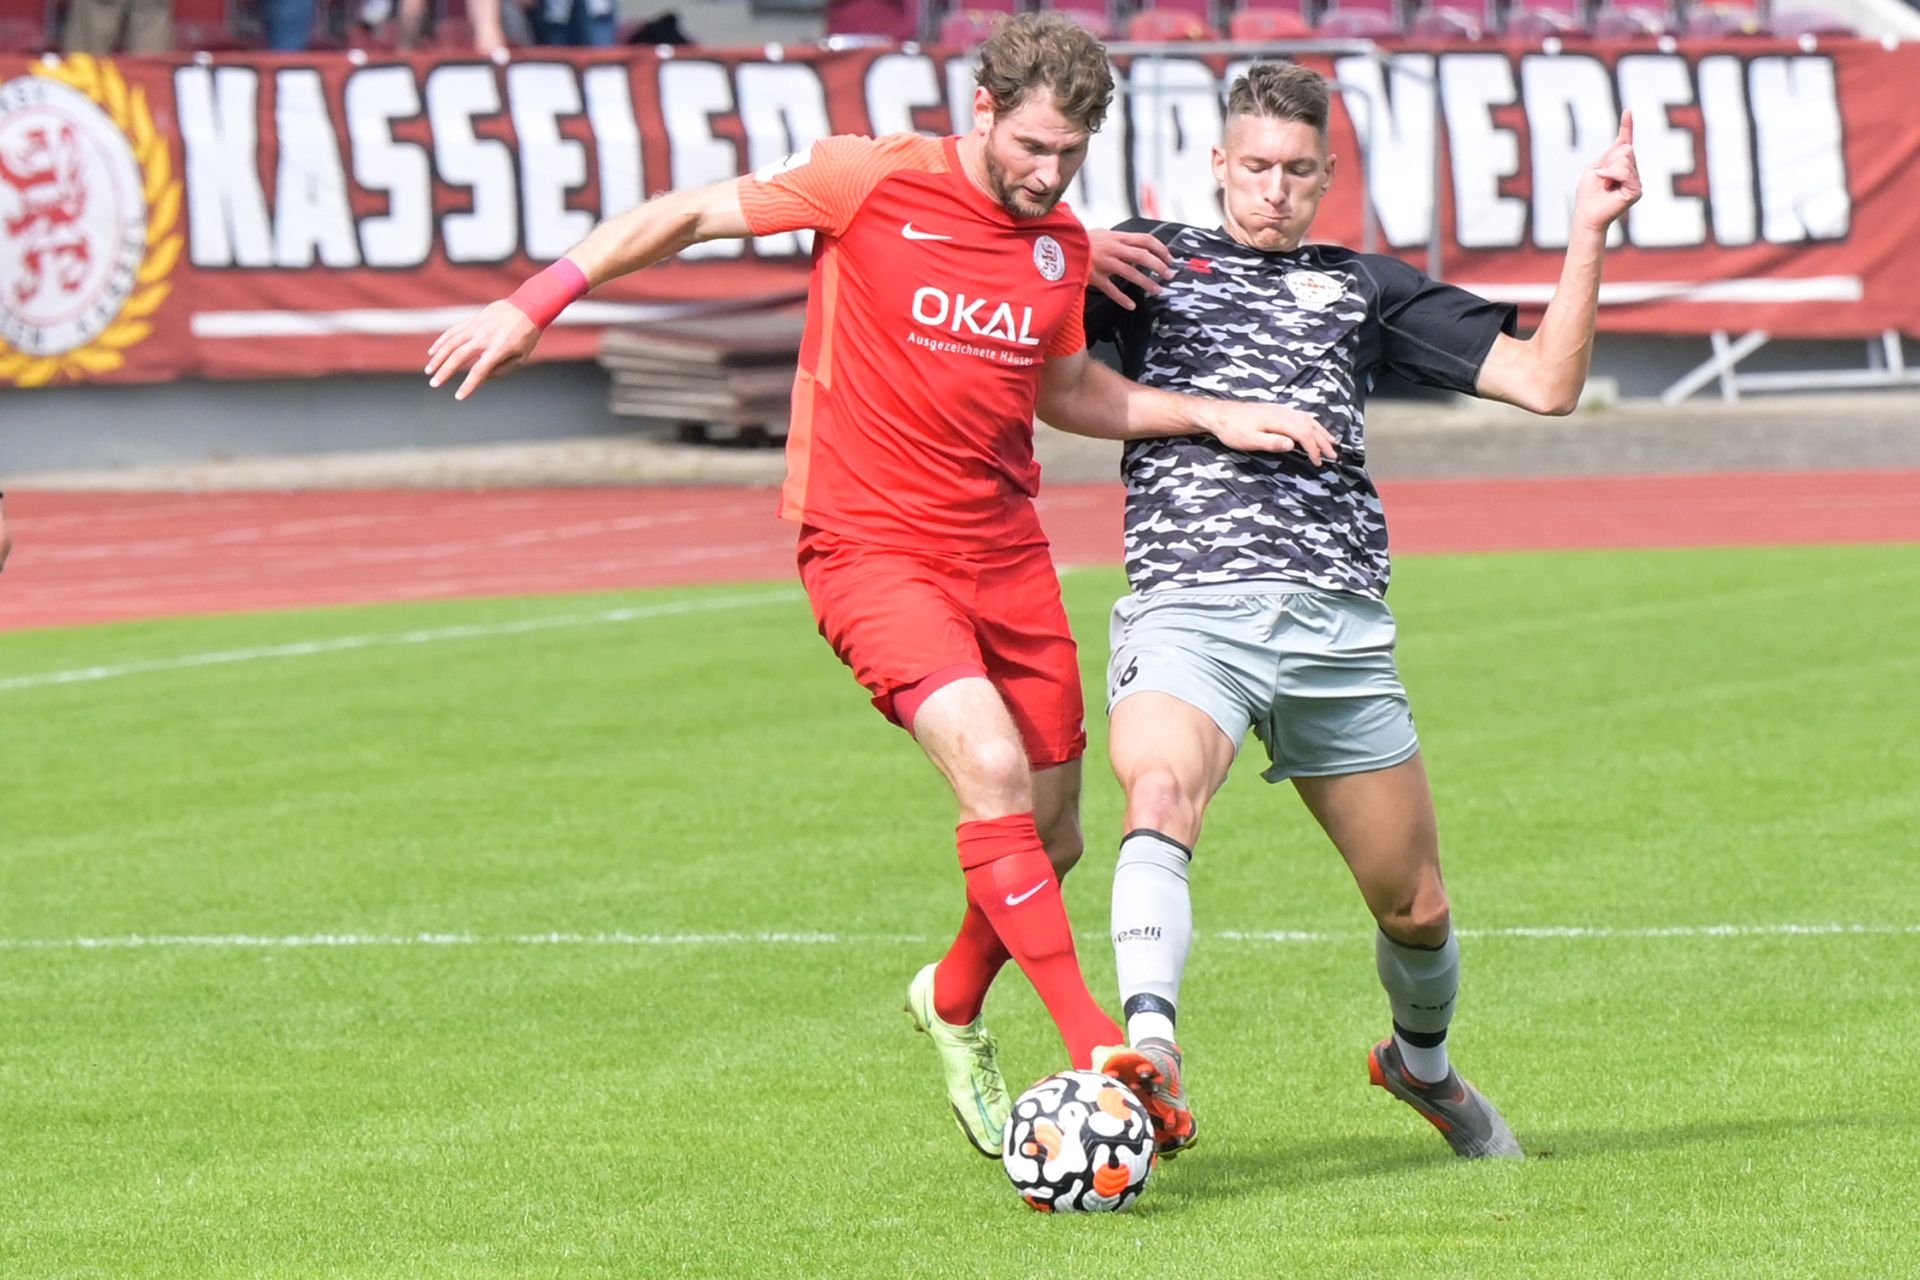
x,y
89,205
1050,258
980,317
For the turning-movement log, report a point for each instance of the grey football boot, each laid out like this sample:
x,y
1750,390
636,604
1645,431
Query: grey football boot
x,y
1459,1111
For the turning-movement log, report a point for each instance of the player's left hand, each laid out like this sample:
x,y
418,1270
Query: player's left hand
x,y
6,540
494,342
1252,427
1609,188
1132,257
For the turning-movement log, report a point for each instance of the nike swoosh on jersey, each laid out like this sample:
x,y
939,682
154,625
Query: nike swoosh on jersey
x,y
911,234
1014,901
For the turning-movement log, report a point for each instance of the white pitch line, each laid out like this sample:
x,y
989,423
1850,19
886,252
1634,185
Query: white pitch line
x,y
434,635
294,942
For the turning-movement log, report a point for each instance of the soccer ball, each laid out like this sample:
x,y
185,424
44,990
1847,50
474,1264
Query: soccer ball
x,y
1078,1142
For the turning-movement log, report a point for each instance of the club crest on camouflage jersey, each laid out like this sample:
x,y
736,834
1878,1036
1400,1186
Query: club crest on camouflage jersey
x,y
1049,258
1314,290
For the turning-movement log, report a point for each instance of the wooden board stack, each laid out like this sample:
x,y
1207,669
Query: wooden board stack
x,y
716,378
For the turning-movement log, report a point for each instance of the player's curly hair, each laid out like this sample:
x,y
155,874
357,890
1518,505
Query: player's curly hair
x,y
1282,91
1033,51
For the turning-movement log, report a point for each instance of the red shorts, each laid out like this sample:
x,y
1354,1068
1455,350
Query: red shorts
x,y
897,617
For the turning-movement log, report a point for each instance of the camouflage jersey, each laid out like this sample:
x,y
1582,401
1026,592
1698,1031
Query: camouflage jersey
x,y
1310,329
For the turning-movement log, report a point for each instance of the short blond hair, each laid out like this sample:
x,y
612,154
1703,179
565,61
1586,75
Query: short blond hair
x,y
1033,51
1282,91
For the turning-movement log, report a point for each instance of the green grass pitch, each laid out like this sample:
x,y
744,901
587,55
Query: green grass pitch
x,y
704,1070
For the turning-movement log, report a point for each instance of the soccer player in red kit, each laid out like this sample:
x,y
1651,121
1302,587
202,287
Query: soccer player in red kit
x,y
944,309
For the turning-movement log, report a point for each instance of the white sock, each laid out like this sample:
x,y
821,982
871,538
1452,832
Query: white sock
x,y
1425,1063
1421,984
1149,1024
1152,930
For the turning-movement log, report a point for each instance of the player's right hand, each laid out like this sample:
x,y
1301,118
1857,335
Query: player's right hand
x,y
1269,428
494,343
1121,258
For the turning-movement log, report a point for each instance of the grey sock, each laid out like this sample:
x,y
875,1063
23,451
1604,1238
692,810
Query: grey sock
x,y
1421,984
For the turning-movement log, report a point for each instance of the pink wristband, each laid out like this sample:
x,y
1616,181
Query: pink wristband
x,y
546,295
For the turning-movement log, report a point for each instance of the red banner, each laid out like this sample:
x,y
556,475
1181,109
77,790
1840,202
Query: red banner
x,y
256,216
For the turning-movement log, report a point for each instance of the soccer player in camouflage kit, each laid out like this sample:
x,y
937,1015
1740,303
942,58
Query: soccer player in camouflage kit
x,y
1258,581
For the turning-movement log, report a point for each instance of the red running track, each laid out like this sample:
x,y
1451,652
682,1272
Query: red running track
x,y
107,557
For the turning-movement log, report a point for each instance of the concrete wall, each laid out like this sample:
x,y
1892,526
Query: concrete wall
x,y
89,427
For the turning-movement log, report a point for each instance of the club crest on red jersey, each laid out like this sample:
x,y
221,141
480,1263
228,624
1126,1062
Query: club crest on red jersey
x,y
1050,258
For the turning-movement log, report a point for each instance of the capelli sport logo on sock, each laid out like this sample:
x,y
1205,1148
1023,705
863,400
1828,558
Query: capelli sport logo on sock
x,y
1150,933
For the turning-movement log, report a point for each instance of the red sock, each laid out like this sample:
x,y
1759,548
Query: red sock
x,y
1012,883
968,969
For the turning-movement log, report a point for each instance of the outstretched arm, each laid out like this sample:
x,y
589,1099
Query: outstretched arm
x,y
499,338
1545,373
1080,395
6,539
660,228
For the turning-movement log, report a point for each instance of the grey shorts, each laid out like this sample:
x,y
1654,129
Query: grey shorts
x,y
1310,672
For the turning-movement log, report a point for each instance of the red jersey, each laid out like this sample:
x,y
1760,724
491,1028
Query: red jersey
x,y
929,315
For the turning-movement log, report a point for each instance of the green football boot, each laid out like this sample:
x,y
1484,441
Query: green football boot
x,y
969,1061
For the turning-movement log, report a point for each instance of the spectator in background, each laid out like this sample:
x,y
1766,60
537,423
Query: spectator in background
x,y
96,26
662,28
483,16
288,24
572,22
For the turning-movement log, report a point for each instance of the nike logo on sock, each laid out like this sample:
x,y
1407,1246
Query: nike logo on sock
x,y
1015,900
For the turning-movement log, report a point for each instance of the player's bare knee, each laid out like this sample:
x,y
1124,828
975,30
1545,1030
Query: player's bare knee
x,y
1421,919
1160,800
1064,842
1000,762
990,776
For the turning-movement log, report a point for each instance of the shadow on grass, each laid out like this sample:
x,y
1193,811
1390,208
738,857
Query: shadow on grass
x,y
1242,1166
1574,1144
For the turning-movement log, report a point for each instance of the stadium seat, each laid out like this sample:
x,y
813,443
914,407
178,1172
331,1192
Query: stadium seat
x,y
1088,15
968,23
453,35
1447,21
1261,20
889,19
1725,18
1535,20
29,26
1808,22
1160,25
1635,19
216,26
17,36
968,28
1362,18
